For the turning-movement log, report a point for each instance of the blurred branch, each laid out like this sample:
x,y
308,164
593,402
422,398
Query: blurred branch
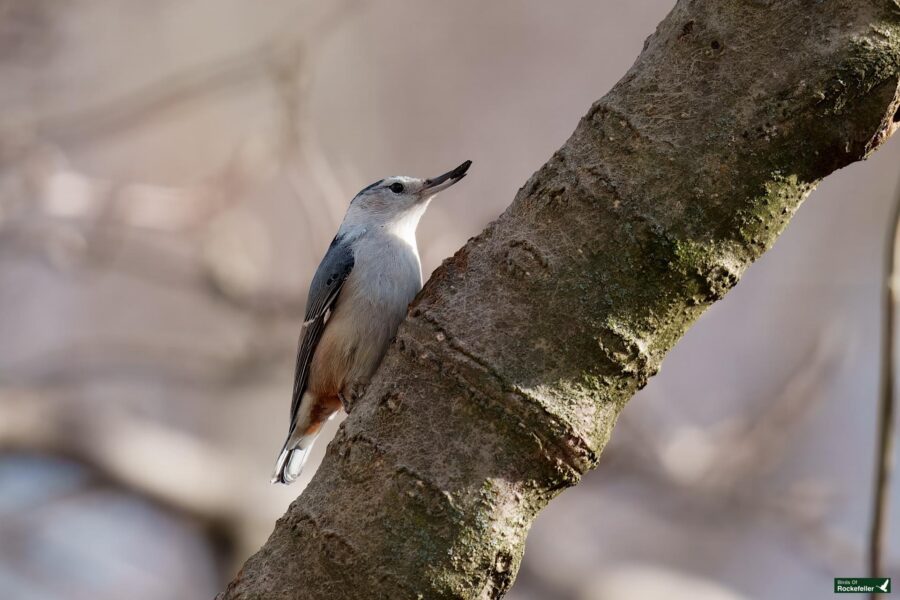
x,y
78,221
87,222
136,453
173,361
885,418
722,467
95,122
200,240
731,457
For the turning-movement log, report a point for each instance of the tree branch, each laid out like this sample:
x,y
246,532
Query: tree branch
x,y
884,448
505,381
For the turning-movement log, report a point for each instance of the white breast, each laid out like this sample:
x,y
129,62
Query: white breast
x,y
385,278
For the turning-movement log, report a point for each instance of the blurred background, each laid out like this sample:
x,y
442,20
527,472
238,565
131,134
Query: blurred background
x,y
170,175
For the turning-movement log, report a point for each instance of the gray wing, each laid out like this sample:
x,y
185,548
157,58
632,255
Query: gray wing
x,y
323,293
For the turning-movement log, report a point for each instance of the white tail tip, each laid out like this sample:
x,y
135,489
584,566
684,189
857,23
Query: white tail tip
x,y
291,460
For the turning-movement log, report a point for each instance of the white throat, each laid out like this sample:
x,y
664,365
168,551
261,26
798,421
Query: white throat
x,y
405,226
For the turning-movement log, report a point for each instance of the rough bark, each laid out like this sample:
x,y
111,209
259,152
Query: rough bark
x,y
506,380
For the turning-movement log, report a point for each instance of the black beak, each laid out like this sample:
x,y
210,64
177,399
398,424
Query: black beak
x,y
436,184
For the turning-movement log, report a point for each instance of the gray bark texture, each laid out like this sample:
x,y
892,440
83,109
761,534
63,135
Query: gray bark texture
x,y
506,379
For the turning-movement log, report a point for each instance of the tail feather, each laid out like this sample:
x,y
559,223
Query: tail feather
x,y
293,456
305,428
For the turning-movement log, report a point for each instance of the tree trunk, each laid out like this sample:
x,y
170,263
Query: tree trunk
x,y
506,379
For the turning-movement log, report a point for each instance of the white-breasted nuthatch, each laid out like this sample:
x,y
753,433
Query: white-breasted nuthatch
x,y
357,299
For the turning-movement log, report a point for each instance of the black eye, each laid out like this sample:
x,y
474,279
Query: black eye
x,y
397,188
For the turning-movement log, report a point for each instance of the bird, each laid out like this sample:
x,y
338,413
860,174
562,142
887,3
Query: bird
x,y
357,298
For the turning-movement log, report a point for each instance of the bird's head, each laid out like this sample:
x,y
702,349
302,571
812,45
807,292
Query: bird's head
x,y
399,200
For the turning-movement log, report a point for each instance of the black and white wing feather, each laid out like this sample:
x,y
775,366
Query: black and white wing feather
x,y
323,293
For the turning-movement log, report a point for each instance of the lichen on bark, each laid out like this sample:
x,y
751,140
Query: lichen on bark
x,y
505,381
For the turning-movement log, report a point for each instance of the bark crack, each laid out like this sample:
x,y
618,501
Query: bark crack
x,y
489,388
